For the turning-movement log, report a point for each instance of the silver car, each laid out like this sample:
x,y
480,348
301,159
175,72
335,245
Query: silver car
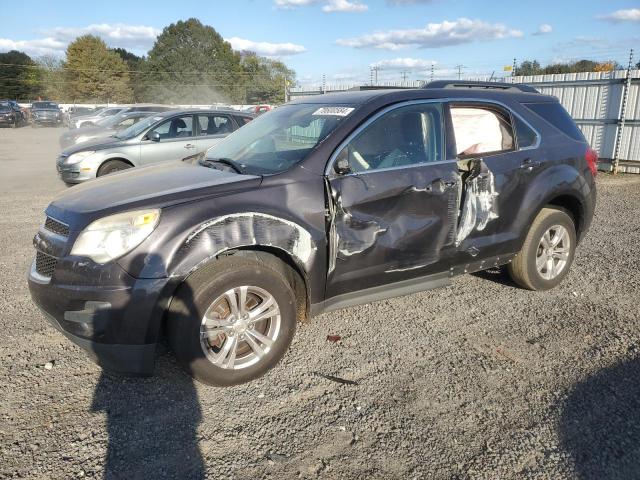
x,y
93,118
173,135
104,128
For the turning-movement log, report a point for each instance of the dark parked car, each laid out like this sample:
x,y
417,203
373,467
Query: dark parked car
x,y
46,113
323,203
11,114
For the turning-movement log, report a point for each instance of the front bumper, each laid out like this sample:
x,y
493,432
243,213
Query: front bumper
x,y
74,173
7,121
114,317
46,121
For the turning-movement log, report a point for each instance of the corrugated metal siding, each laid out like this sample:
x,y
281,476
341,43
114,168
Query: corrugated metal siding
x,y
596,107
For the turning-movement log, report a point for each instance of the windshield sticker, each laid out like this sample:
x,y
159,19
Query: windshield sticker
x,y
334,111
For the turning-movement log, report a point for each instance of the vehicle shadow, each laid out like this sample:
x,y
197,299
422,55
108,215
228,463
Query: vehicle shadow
x,y
152,424
600,424
498,275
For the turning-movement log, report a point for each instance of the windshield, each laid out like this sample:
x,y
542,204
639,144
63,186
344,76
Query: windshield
x,y
43,105
137,128
111,120
4,108
276,141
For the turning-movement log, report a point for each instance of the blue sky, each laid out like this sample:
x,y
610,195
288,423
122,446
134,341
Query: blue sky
x,y
342,39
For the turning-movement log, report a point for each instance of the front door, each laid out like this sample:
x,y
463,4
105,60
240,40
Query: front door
x,y
177,141
393,200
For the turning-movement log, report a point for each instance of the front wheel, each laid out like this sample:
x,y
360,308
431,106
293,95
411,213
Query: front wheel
x,y
547,253
112,166
233,320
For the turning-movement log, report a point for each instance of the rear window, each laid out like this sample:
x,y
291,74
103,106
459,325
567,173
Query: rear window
x,y
557,116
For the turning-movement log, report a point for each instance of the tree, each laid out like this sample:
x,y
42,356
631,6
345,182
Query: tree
x,y
135,65
94,73
51,77
265,79
190,63
529,68
20,77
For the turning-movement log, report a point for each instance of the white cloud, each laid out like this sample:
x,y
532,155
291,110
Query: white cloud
x,y
133,37
628,15
403,64
544,29
344,6
288,4
328,6
35,48
407,2
139,37
434,35
266,48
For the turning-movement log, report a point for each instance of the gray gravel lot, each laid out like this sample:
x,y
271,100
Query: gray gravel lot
x,y
477,380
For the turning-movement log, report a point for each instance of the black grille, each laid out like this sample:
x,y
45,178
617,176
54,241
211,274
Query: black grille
x,y
56,227
45,264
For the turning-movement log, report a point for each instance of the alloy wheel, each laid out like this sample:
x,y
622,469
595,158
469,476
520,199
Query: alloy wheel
x,y
553,252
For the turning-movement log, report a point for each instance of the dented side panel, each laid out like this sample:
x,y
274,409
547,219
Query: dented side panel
x,y
390,225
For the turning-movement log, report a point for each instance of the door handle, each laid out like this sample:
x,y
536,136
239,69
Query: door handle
x,y
189,146
529,165
425,189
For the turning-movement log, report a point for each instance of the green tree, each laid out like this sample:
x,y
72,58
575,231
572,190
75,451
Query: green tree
x,y
529,68
265,79
94,73
20,78
135,65
190,63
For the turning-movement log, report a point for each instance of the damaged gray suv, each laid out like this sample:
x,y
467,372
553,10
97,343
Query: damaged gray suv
x,y
320,204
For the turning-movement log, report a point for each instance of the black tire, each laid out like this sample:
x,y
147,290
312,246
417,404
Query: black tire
x,y
523,269
112,166
202,288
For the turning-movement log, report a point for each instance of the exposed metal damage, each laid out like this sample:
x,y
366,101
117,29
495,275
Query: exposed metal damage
x,y
252,228
478,197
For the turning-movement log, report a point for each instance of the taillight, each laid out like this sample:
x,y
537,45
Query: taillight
x,y
592,160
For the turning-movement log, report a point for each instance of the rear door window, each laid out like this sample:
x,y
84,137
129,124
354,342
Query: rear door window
x,y
177,127
556,115
214,125
481,130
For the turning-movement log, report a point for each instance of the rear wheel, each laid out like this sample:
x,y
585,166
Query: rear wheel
x,y
547,253
233,320
112,166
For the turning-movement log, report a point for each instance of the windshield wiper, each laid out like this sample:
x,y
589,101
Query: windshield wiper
x,y
225,161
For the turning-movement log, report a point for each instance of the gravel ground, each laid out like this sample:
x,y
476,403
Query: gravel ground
x,y
477,380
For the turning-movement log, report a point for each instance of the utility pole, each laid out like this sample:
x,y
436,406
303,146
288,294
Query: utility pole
x,y
623,114
374,75
459,67
404,76
515,66
432,71
371,74
324,83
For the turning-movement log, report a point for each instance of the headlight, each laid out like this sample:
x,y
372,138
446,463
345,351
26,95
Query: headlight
x,y
113,236
78,157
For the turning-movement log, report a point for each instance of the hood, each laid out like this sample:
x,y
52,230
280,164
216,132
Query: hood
x,y
155,186
68,139
94,144
46,110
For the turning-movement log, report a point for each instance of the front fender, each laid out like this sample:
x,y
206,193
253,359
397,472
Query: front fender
x,y
228,232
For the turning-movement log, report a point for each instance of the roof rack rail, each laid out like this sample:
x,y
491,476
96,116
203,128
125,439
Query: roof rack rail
x,y
522,87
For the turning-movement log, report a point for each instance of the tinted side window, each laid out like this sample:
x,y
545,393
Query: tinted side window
x,y
214,124
525,135
481,130
175,128
557,116
405,136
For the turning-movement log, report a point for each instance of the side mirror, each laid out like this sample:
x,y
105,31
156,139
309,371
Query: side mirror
x,y
341,165
154,136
